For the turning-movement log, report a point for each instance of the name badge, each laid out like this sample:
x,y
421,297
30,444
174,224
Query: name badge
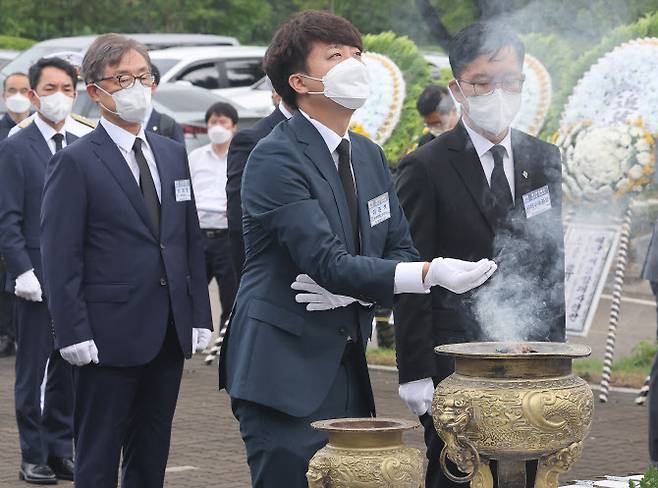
x,y
183,190
379,209
537,202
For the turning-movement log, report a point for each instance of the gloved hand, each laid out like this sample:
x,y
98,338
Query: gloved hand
x,y
317,298
200,339
459,276
418,395
80,354
28,287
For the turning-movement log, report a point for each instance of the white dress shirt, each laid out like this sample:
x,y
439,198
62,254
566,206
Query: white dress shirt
x,y
208,171
71,125
408,276
125,141
48,132
284,110
483,147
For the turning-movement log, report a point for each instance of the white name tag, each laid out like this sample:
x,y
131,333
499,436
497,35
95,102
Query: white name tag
x,y
379,209
183,190
537,201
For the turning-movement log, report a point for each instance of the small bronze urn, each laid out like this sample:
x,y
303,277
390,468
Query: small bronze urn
x,y
512,402
365,453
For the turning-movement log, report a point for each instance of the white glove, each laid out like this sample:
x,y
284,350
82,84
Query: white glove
x,y
80,354
200,339
459,276
418,395
317,297
28,287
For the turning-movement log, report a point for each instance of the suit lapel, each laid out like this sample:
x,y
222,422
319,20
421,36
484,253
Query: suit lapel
x,y
362,193
523,176
112,158
317,151
70,138
39,144
466,162
166,180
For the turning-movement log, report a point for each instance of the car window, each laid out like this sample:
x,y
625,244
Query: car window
x,y
242,72
85,106
164,65
203,75
185,101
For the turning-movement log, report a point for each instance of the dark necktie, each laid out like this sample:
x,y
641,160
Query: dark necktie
x,y
59,141
499,184
345,173
147,186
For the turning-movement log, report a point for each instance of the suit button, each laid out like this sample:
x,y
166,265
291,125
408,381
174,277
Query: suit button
x,y
163,282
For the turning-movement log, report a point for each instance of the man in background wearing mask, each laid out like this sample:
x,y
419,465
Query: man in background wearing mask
x,y
158,122
124,274
466,194
319,210
208,171
438,111
14,93
46,435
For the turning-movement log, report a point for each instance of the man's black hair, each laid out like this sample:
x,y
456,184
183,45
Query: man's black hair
x,y
34,73
429,100
222,108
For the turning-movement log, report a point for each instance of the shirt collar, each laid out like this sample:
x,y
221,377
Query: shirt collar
x,y
483,145
331,139
46,131
284,110
121,137
211,152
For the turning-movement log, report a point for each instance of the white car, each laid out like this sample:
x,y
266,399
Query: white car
x,y
234,72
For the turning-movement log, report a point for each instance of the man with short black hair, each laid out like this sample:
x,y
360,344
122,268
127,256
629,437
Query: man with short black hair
x,y
208,172
158,122
46,435
320,211
124,274
481,190
438,111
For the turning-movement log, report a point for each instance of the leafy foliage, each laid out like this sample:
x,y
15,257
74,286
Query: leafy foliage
x,y
650,480
416,72
17,43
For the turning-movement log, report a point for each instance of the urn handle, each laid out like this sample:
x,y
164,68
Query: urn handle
x,y
451,420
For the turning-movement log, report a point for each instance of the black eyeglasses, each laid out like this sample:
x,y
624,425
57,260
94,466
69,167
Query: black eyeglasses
x,y
127,81
512,85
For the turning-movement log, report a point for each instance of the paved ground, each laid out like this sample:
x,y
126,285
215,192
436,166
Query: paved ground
x,y
207,450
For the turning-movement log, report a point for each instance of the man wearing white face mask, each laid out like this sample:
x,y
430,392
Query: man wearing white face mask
x,y
45,432
208,170
14,92
124,274
481,190
325,238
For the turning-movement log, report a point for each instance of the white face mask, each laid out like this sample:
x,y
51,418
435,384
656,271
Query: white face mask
x,y
494,112
55,107
131,103
18,103
219,134
347,84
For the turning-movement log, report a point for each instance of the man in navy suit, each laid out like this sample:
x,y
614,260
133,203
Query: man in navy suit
x,y
320,210
125,275
46,435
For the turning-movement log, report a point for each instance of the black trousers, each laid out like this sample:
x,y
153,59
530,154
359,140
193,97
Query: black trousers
x,y
6,306
220,267
48,432
279,446
126,411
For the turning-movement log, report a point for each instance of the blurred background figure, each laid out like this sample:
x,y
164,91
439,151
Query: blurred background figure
x,y
208,172
14,93
158,122
438,111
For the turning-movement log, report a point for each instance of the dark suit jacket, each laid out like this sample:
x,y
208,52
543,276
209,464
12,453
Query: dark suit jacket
x,y
444,192
6,123
296,220
241,146
169,128
23,161
108,277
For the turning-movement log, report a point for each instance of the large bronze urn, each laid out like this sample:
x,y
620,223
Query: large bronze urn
x,y
365,453
512,402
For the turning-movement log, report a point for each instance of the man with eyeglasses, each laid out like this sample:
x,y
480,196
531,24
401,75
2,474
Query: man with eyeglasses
x,y
124,274
481,190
